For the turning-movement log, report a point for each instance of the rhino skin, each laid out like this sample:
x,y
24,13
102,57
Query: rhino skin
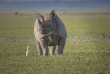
x,y
49,36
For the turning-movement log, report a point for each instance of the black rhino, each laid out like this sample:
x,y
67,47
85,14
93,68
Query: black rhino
x,y
49,30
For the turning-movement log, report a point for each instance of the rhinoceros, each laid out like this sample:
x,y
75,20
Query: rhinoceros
x,y
49,31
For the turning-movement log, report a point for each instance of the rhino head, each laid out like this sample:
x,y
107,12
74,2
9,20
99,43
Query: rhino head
x,y
47,24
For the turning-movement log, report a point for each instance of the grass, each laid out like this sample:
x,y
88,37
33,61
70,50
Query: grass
x,y
87,49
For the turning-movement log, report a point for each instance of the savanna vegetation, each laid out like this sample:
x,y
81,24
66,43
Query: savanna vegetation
x,y
87,49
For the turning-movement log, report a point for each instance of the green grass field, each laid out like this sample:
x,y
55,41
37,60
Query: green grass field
x,y
87,49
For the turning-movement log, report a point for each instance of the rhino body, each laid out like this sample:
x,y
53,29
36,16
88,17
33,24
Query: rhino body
x,y
49,30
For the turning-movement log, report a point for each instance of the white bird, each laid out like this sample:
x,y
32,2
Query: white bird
x,y
27,52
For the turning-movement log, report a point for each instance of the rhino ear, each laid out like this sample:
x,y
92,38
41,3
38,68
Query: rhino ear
x,y
53,13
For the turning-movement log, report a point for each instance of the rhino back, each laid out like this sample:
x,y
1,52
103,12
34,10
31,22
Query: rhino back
x,y
61,28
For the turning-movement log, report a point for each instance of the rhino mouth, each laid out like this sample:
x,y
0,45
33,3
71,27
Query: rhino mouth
x,y
43,34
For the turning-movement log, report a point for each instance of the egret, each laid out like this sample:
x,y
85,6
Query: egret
x,y
27,52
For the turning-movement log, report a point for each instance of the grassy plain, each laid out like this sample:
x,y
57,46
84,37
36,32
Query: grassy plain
x,y
87,49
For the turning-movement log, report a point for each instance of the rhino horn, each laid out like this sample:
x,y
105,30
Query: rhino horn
x,y
39,22
40,19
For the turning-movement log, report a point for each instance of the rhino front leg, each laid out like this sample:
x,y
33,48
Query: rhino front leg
x,y
39,49
52,50
61,45
44,47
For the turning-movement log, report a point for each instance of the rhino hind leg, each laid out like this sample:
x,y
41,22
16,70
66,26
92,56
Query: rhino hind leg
x,y
39,49
52,50
61,45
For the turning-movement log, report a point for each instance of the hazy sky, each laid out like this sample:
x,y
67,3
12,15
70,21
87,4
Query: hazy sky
x,y
64,5
50,0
